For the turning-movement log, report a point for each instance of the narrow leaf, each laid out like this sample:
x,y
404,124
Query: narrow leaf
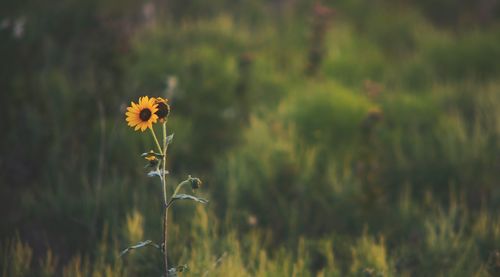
x,y
186,197
154,173
189,197
172,272
170,138
139,245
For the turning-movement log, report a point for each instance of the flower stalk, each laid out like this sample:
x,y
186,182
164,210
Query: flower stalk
x,y
142,116
156,141
164,185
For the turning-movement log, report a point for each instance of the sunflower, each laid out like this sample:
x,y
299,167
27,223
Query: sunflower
x,y
163,108
152,160
142,115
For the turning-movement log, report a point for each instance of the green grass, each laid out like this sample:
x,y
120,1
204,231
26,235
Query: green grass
x,y
383,163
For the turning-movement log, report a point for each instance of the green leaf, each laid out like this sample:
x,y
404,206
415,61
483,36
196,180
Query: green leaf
x,y
157,172
139,245
189,197
170,138
172,272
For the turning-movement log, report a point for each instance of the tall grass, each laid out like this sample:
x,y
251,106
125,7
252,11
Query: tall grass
x,y
382,163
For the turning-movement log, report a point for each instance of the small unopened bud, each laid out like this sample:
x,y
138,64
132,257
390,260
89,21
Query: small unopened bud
x,y
195,183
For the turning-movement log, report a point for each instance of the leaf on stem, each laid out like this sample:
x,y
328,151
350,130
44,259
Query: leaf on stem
x,y
139,245
157,172
172,272
188,197
170,138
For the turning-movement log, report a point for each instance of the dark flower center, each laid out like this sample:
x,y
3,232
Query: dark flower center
x,y
145,115
163,110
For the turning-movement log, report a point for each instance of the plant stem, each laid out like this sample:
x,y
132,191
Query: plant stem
x,y
157,143
179,187
164,181
165,254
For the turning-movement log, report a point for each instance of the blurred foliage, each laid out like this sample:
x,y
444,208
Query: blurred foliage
x,y
341,138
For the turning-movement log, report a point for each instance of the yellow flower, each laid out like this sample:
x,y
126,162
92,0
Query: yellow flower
x,y
150,158
152,161
142,115
163,108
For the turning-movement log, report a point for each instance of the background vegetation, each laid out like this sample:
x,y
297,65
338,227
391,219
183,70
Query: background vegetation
x,y
342,138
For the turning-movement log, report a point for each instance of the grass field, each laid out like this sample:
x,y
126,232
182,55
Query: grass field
x,y
348,138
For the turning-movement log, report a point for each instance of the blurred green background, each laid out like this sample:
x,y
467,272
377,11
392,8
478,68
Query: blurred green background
x,y
334,138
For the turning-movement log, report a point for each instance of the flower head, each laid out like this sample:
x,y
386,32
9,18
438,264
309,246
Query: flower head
x,y
163,108
152,160
142,115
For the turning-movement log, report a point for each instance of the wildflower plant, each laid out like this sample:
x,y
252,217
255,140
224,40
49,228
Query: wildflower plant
x,y
143,115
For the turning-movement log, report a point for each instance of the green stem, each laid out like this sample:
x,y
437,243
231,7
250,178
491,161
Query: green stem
x,y
156,141
165,144
164,178
165,252
165,198
179,187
